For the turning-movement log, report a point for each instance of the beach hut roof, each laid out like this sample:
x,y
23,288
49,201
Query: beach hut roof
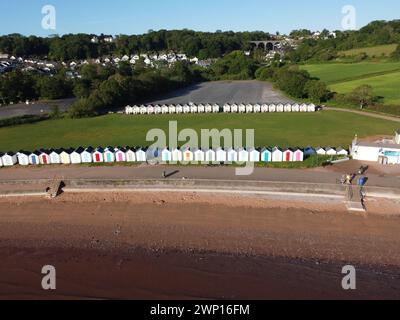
x,y
99,149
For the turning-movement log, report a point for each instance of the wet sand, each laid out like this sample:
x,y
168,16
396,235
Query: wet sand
x,y
185,246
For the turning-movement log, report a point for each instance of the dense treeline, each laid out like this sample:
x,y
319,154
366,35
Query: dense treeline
x,y
375,33
204,45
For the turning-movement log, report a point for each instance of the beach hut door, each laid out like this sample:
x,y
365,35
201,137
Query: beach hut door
x,y
97,157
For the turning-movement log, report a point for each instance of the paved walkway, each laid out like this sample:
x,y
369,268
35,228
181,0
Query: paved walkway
x,y
367,114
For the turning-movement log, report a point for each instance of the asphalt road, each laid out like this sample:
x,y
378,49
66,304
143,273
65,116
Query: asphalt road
x,y
222,92
38,108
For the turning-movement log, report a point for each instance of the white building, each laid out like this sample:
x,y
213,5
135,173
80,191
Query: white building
x,y
23,158
9,159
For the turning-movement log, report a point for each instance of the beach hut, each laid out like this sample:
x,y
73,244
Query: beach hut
x,y
166,155
288,155
187,155
210,155
65,156
220,155
331,152
128,110
201,108
109,155
243,155
9,159
157,110
298,155
87,155
296,107
280,108
194,108
227,108
277,155
234,108
150,110
120,154
257,108
311,107
342,152
76,155
143,110
44,158
320,151
130,154
264,108
215,108
266,155
199,155
164,109
34,158
1,160
232,155
309,151
287,107
186,109
272,108
177,155
98,155
254,155
172,109
242,108
55,156
303,108
141,155
135,110
208,108
249,108
22,157
179,109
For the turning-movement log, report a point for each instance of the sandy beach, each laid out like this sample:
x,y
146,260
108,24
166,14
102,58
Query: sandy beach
x,y
172,246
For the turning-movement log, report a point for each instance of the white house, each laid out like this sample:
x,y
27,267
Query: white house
x,y
254,155
130,154
382,152
221,155
166,155
243,155
277,155
135,110
23,158
157,110
199,155
87,155
342,152
320,151
143,110
177,155
249,108
257,108
76,156
242,108
193,108
55,157
172,109
164,109
141,155
1,160
331,152
303,108
150,110
264,108
209,109
234,108
296,107
201,109
210,155
311,108
186,109
227,108
266,155
232,155
287,107
9,159
280,108
179,109
65,156
272,108
215,108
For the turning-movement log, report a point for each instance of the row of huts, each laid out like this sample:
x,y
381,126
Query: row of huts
x,y
128,154
216,108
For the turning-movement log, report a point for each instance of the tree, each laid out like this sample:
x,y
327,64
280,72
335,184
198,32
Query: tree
x,y
317,90
363,95
396,53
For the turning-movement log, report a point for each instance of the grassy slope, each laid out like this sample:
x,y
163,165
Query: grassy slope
x,y
372,51
386,86
339,72
326,128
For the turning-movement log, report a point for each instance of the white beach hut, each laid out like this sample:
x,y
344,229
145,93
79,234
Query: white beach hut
x,y
9,159
342,152
150,109
234,108
303,108
130,154
210,155
55,157
331,152
76,156
311,107
143,110
186,109
187,155
280,108
109,155
199,155
208,108
65,156
243,155
194,108
249,108
296,107
87,155
227,108
179,109
257,108
288,155
320,151
164,109
166,155
277,155
232,155
264,108
242,108
287,108
272,108
141,155
44,157
135,110
215,108
172,109
201,108
254,155
221,155
157,110
22,157
177,155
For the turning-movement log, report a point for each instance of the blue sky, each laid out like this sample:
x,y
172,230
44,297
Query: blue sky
x,y
136,17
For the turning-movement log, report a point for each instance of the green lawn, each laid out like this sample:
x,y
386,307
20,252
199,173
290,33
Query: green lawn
x,y
333,73
377,51
326,128
387,86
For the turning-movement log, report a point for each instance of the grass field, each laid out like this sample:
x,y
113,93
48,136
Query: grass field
x,y
328,128
377,51
387,86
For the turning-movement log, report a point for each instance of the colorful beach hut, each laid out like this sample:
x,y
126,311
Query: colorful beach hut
x,y
120,154
98,155
298,155
34,158
266,155
288,155
65,156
